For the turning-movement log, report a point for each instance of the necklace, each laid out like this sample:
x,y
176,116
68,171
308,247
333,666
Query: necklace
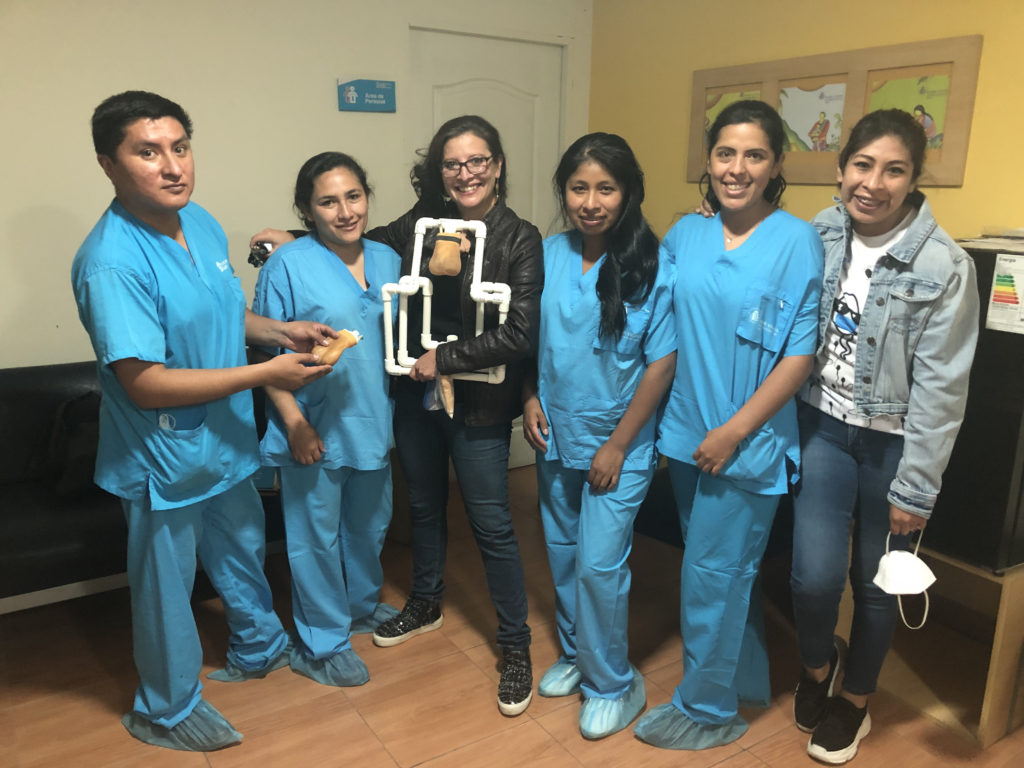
x,y
744,235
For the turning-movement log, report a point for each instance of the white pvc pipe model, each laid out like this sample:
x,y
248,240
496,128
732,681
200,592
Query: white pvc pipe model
x,y
483,293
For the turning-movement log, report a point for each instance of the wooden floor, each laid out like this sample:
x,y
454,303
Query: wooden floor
x,y
67,677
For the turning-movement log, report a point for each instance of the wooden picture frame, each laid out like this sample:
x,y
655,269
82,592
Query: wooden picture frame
x,y
821,97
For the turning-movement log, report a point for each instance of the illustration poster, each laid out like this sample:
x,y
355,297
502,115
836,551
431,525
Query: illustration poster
x,y
812,113
1006,303
717,99
922,91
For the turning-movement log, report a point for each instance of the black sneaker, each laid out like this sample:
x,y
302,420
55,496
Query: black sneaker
x,y
418,616
811,697
515,689
836,738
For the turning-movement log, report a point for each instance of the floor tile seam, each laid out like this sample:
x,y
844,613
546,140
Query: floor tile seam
x,y
371,729
466,744
398,670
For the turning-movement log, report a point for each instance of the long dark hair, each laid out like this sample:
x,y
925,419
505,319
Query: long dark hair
x,y
898,124
761,114
426,174
631,255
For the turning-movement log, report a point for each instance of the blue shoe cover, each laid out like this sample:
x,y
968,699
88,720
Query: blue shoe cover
x,y
364,625
668,728
204,730
344,669
562,679
603,717
231,673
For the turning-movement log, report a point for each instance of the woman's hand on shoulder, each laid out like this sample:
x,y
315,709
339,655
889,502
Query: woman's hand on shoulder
x,y
276,237
535,424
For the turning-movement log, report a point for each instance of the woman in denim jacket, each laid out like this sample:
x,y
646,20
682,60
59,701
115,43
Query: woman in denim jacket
x,y
897,329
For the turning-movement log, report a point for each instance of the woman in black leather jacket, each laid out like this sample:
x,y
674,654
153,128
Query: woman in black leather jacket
x,y
463,175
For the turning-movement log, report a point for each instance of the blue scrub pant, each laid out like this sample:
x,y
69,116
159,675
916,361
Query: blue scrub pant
x,y
227,531
846,475
589,537
335,521
425,440
725,531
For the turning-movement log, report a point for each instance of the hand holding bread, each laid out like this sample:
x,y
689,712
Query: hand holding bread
x,y
328,355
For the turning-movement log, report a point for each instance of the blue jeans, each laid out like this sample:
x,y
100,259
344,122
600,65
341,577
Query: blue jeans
x,y
425,441
846,475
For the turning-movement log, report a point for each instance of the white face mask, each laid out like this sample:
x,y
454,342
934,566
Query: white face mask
x,y
904,573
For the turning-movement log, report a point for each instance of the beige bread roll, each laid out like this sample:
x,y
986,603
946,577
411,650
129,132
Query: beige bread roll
x,y
329,355
446,259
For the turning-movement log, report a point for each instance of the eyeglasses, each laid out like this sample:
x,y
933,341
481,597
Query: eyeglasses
x,y
474,165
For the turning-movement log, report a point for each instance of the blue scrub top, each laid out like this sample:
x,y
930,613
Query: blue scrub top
x,y
141,295
585,382
738,313
349,408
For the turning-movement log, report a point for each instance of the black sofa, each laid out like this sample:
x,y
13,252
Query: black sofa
x,y
56,526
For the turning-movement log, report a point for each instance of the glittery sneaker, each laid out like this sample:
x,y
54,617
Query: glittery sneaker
x,y
418,616
515,689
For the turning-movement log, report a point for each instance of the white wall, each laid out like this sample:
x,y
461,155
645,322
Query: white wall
x,y
258,79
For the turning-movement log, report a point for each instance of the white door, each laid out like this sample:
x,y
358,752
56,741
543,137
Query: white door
x,y
516,85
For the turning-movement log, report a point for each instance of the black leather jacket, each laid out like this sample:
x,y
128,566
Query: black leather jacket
x,y
513,255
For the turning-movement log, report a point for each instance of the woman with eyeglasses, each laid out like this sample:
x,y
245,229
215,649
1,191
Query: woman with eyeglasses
x,y
463,174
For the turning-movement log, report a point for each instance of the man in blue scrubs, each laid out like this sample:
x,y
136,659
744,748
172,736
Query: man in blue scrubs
x,y
167,319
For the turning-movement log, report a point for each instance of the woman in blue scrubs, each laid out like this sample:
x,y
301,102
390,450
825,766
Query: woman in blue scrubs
x,y
605,359
331,439
745,301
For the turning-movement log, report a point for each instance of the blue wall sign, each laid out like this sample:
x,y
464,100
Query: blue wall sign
x,y
366,96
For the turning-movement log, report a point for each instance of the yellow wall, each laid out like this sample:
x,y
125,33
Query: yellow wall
x,y
644,53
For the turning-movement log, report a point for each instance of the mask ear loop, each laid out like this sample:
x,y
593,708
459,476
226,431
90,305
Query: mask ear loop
x,y
899,598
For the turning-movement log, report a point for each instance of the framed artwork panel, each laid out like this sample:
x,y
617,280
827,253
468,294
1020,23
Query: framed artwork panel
x,y
821,97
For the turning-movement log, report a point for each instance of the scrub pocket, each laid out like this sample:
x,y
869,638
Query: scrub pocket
x,y
757,457
766,316
180,468
577,435
631,341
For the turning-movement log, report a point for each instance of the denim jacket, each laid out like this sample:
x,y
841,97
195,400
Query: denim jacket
x,y
915,345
